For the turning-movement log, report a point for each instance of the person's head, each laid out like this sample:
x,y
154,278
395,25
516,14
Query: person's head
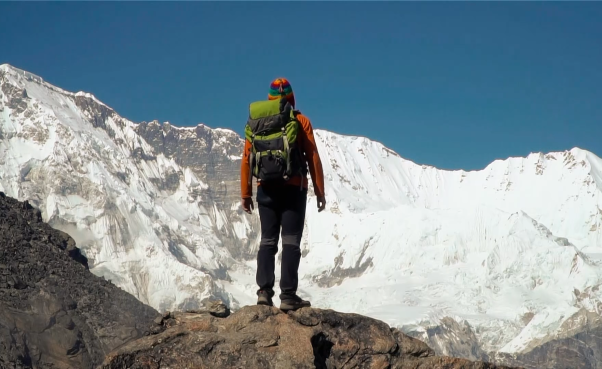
x,y
280,87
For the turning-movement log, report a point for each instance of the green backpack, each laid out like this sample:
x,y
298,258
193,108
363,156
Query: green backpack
x,y
272,130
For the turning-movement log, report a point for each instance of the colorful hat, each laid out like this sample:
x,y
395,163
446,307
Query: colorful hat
x,y
281,87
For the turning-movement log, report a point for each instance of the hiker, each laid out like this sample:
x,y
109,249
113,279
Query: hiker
x,y
279,147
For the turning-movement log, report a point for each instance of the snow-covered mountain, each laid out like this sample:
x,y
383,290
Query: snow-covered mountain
x,y
477,264
153,207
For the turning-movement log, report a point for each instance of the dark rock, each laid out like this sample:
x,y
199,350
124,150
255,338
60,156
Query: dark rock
x,y
170,322
98,113
411,347
53,311
218,309
16,97
265,337
17,283
156,329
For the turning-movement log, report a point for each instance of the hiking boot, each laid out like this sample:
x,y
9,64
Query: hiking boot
x,y
293,303
264,298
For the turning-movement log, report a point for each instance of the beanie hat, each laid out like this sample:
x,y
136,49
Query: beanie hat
x,y
281,87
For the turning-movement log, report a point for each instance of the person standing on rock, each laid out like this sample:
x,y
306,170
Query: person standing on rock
x,y
279,148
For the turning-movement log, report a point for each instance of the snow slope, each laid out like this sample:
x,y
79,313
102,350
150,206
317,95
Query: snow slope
x,y
155,207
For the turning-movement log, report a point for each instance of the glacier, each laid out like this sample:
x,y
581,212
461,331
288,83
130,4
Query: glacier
x,y
512,251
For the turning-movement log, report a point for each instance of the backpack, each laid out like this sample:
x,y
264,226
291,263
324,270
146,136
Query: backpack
x,y
272,129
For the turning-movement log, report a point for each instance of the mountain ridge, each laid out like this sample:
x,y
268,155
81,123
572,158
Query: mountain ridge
x,y
574,150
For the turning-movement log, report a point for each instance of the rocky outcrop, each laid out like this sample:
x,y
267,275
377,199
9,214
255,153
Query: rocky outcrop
x,y
265,337
53,311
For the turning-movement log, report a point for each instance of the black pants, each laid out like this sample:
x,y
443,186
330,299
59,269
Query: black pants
x,y
280,206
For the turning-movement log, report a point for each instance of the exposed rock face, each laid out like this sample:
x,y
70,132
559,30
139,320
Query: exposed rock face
x,y
214,157
453,339
265,337
53,311
576,349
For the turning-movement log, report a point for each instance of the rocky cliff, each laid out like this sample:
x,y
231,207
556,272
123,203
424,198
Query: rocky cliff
x,y
261,337
54,313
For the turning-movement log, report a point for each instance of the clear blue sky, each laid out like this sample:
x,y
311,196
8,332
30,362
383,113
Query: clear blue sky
x,y
450,84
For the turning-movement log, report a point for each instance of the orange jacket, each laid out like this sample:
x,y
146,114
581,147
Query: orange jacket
x,y
308,145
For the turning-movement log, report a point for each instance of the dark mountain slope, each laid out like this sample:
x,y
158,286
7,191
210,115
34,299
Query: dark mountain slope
x,y
53,311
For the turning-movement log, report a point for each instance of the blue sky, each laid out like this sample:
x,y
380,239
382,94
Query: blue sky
x,y
450,84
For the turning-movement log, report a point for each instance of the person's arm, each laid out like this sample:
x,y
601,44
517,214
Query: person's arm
x,y
312,156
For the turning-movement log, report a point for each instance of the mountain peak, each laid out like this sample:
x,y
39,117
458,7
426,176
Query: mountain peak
x,y
576,152
8,68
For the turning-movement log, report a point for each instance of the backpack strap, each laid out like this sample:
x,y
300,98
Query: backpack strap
x,y
251,157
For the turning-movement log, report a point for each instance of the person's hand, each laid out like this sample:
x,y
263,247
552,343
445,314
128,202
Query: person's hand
x,y
321,202
247,204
